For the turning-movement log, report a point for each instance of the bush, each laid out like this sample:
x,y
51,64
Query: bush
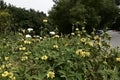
x,y
76,57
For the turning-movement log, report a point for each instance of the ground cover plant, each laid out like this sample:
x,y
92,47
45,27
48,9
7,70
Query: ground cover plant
x,y
78,56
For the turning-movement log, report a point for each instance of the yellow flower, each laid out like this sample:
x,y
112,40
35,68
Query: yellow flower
x,y
45,37
27,53
22,39
24,58
77,29
84,31
27,42
78,35
99,43
55,46
89,36
82,54
96,37
87,54
36,58
83,40
11,75
72,34
90,43
5,74
8,65
83,27
22,48
14,78
20,34
23,30
118,59
6,58
45,20
105,62
65,44
56,36
44,57
79,51
106,32
92,33
3,66
50,74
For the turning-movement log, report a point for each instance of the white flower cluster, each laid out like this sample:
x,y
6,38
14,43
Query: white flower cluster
x,y
28,36
30,29
52,33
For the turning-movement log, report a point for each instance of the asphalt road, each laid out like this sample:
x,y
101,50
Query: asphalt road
x,y
115,41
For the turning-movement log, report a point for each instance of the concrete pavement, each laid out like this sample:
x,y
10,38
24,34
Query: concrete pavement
x,y
115,41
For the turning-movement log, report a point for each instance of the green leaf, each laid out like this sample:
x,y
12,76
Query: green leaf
x,y
79,76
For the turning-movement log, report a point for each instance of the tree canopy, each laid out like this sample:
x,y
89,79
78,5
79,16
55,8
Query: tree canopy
x,y
13,18
90,13
117,2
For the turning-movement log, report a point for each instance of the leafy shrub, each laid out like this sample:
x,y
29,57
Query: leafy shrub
x,y
76,57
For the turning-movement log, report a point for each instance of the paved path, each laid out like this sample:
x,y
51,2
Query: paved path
x,y
115,41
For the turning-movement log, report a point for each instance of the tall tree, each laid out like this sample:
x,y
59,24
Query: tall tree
x,y
96,13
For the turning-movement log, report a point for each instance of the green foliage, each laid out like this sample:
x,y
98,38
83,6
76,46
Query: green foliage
x,y
16,18
27,18
117,2
5,22
97,14
77,57
116,24
5,19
